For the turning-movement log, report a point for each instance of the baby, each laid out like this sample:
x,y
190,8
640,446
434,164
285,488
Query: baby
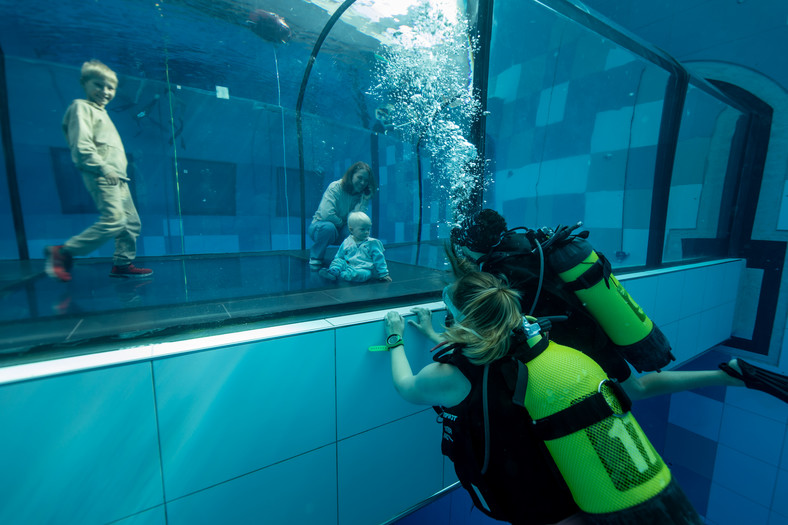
x,y
359,256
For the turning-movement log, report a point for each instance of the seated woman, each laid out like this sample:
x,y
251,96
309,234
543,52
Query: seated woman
x,y
329,224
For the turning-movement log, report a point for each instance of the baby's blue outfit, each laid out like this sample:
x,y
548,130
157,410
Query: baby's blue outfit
x,y
356,261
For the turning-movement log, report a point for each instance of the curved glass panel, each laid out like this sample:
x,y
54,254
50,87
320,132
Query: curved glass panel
x,y
573,130
8,247
702,189
225,174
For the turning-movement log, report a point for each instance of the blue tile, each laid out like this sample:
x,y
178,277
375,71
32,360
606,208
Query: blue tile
x,y
784,464
300,490
612,130
604,209
640,164
745,475
778,519
691,451
780,501
652,416
647,115
727,507
695,486
698,414
752,434
708,360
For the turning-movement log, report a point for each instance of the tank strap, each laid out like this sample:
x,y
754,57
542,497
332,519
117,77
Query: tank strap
x,y
601,269
590,410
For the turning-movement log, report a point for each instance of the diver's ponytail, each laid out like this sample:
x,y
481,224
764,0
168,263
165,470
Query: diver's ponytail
x,y
491,311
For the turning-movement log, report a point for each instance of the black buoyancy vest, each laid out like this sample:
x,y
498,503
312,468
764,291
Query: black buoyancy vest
x,y
514,260
505,468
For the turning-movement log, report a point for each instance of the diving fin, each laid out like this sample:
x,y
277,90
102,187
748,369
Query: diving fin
x,y
759,379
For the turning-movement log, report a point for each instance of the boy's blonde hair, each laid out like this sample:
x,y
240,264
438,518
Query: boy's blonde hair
x,y
357,218
96,68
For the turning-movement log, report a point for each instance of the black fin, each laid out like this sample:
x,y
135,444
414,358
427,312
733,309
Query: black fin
x,y
759,379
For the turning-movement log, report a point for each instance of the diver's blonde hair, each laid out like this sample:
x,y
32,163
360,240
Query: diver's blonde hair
x,y
96,68
491,311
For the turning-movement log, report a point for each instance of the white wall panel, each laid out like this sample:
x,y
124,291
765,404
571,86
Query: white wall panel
x,y
227,412
297,491
79,448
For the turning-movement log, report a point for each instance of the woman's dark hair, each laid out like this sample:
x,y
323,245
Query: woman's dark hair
x,y
347,178
480,232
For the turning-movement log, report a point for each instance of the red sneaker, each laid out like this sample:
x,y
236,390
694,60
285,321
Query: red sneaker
x,y
57,263
130,272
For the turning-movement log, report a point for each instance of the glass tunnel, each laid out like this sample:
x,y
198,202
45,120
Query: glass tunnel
x,y
232,131
236,118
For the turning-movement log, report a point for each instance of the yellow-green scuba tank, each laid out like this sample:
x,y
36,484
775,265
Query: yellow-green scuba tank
x,y
583,417
588,275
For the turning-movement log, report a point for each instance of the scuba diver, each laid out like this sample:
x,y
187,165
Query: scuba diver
x,y
537,432
558,274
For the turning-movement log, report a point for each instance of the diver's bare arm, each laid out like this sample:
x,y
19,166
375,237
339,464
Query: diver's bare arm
x,y
669,382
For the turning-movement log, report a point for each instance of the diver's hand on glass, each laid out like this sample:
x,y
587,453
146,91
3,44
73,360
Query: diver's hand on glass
x,y
385,279
394,323
423,320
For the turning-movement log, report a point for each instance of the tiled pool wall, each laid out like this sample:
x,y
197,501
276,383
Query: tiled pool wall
x,y
301,424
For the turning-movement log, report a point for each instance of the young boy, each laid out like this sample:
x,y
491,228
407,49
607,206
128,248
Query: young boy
x,y
98,153
359,255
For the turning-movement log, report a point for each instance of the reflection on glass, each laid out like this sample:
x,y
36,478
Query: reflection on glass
x,y
700,168
205,100
572,131
227,177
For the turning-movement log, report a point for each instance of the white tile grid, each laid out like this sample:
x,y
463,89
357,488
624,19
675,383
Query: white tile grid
x,y
694,290
366,397
685,346
643,292
668,297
